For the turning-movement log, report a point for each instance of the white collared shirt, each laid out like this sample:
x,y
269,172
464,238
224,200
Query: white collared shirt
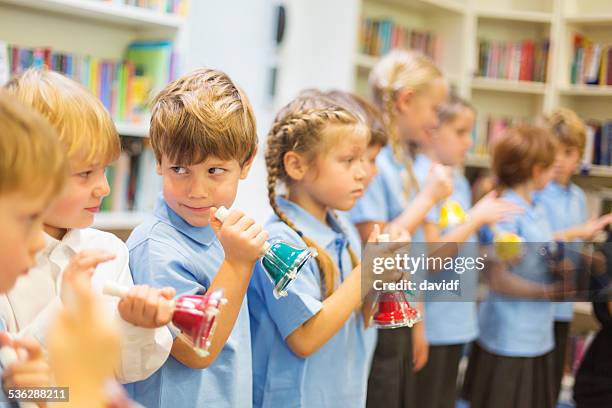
x,y
30,307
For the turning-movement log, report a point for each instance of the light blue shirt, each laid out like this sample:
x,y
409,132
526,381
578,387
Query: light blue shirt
x,y
167,251
385,199
510,326
334,376
446,322
566,208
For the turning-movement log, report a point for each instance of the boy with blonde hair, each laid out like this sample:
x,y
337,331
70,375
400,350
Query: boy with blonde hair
x,y
32,171
90,141
204,137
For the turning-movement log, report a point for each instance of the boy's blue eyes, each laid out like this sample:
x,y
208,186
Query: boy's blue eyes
x,y
84,174
179,170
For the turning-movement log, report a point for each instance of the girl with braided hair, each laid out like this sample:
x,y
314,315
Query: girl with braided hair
x,y
408,89
310,348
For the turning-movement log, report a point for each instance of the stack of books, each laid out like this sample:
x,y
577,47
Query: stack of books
x,y
513,60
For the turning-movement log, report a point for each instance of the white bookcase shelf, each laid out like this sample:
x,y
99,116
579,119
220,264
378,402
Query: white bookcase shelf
x,y
132,129
515,15
506,85
124,220
107,13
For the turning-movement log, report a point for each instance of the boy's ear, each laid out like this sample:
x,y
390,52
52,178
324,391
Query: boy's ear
x,y
158,168
404,98
244,171
295,165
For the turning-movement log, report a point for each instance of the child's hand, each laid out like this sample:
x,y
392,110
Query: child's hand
x,y
31,370
242,238
420,347
490,209
144,306
83,347
83,264
439,182
595,225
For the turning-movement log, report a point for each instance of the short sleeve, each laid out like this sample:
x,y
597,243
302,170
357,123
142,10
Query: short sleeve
x,y
303,299
159,264
372,206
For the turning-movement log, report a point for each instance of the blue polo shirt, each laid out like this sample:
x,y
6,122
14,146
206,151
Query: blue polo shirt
x,y
385,199
334,376
167,251
455,322
566,208
514,327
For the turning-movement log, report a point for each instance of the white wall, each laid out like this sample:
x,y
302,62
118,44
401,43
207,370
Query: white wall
x,y
319,46
238,37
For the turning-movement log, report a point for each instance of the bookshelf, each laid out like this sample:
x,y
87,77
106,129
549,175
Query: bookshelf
x,y
101,30
464,25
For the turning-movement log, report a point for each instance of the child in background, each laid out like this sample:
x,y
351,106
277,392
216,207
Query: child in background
x,y
565,205
408,88
309,348
204,137
511,363
89,138
451,325
32,172
373,119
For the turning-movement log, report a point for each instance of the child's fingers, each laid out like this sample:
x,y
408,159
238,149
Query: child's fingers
x,y
151,305
260,239
5,339
168,292
91,261
374,234
165,309
32,347
253,230
32,379
244,223
140,296
233,217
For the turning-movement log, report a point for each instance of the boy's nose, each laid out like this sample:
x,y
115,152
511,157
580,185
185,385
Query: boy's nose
x,y
103,188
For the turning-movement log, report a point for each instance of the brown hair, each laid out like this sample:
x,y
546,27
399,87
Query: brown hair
x,y
81,121
519,151
300,127
370,114
398,70
567,127
31,157
449,110
203,113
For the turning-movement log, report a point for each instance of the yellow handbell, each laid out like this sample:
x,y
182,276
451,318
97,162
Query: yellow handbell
x,y
507,245
452,214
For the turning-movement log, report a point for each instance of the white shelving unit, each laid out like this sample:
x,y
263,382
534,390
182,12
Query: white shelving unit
x,y
95,28
106,13
462,23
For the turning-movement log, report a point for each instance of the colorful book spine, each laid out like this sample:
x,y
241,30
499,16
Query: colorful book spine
x,y
111,81
379,36
591,62
525,60
178,7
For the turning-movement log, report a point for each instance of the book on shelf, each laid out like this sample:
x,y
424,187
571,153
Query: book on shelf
x,y
513,60
178,7
493,127
132,178
598,148
125,86
591,62
379,36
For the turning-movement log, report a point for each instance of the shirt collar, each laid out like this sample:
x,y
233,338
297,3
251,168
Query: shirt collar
x,y
202,235
72,239
311,227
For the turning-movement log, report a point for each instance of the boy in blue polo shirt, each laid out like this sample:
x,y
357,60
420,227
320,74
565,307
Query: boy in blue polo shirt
x,y
204,137
565,205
